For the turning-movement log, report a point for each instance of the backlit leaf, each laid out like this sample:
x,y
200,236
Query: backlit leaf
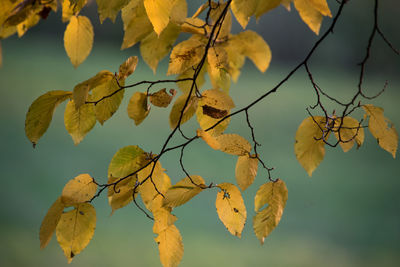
x,y
309,146
75,229
110,8
161,98
40,113
136,23
216,11
127,68
243,10
217,68
177,110
322,7
309,14
138,108
214,105
159,12
122,194
79,190
178,12
185,86
350,133
209,139
233,144
382,129
78,39
50,222
71,8
163,219
170,246
265,6
235,60
195,26
28,23
274,194
183,191
79,122
126,161
230,208
246,171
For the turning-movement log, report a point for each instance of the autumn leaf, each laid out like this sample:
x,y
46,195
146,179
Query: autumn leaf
x,y
309,146
161,98
138,109
231,209
79,122
183,191
127,68
110,8
209,139
217,68
163,219
275,195
50,222
312,12
78,39
126,161
75,229
185,86
265,6
40,113
215,13
122,194
244,9
177,110
159,12
233,144
170,246
351,132
246,171
71,8
79,190
382,129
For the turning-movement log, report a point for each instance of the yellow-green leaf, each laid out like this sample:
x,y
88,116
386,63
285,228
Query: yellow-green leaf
x,y
217,68
122,194
185,86
155,47
246,171
274,194
231,209
233,144
138,108
209,139
126,161
253,46
110,100
351,132
309,146
177,110
110,8
244,9
186,55
265,6
127,68
50,222
79,122
75,229
159,12
183,191
136,23
40,113
161,98
78,39
382,129
79,190
71,8
170,246
309,14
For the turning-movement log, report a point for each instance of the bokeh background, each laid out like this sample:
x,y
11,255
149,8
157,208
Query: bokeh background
x,y
347,214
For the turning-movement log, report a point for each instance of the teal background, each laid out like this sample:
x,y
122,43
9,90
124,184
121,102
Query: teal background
x,y
347,214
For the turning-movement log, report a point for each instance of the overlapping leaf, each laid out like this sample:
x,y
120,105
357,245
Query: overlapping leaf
x,y
170,246
110,8
50,222
138,109
246,171
178,109
79,122
312,12
350,132
183,191
79,190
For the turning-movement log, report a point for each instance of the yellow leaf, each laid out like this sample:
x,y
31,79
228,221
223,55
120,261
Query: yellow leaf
x,y
274,194
322,7
185,86
138,108
183,191
216,11
79,122
163,219
201,9
161,98
170,246
206,122
186,55
109,105
78,39
350,133
215,103
195,26
246,171
136,23
154,48
127,68
217,68
177,109
75,229
230,208
126,161
50,222
233,144
79,190
243,10
159,12
309,146
253,46
40,113
81,90
209,139
265,6
110,8
122,194
151,198
178,12
309,14
71,8
235,60
28,23
382,129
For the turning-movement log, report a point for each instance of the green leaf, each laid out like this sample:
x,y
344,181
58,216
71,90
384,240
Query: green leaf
x,y
127,160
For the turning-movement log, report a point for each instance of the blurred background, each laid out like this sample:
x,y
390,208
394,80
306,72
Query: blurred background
x,y
347,214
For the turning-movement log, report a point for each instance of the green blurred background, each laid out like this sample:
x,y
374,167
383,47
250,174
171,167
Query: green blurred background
x,y
346,215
